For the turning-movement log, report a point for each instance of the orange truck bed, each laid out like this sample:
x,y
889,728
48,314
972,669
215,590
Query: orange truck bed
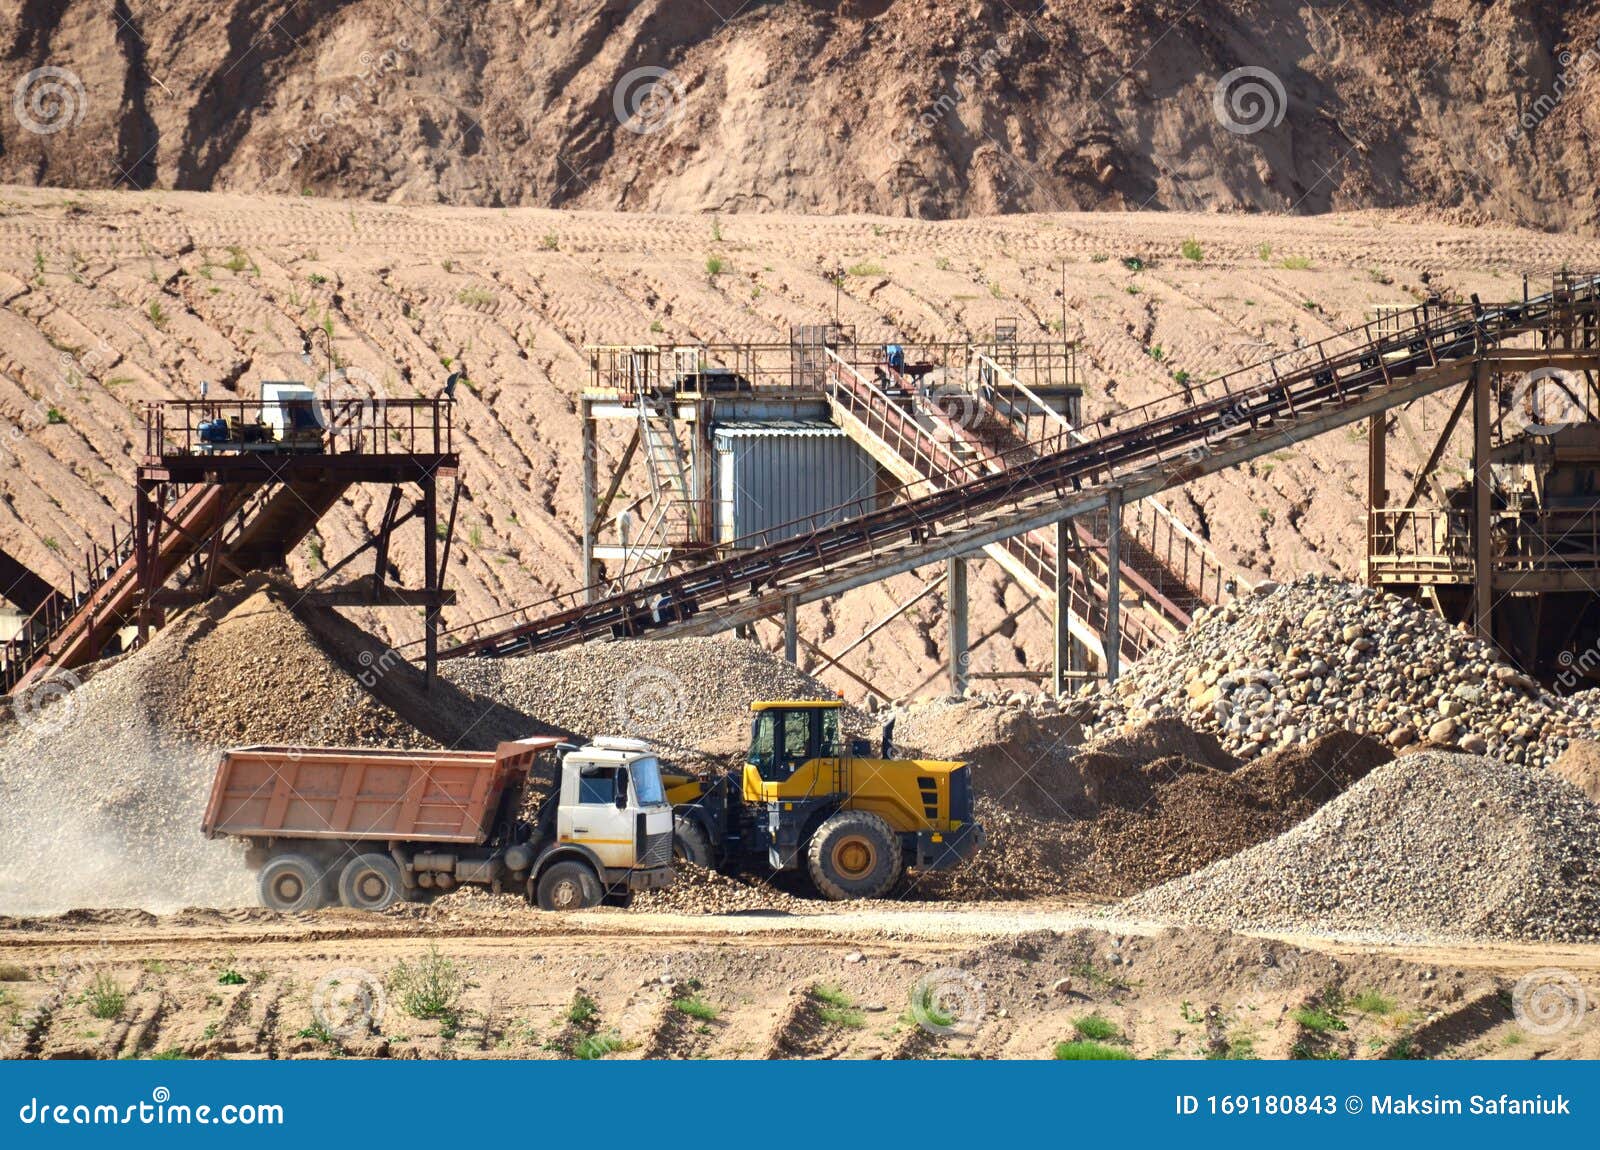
x,y
351,793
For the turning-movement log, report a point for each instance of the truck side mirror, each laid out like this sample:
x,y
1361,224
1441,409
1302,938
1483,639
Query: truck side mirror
x,y
888,739
860,748
622,790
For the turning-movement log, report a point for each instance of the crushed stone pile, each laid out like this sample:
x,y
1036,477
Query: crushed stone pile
x,y
681,694
102,790
1291,662
1433,844
695,890
1149,821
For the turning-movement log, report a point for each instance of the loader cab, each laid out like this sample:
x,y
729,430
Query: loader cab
x,y
787,735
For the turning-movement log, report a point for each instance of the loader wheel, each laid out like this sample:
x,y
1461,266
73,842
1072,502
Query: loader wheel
x,y
291,882
689,843
568,886
854,854
370,881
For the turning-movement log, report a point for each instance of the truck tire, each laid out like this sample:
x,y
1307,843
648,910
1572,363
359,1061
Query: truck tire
x,y
292,882
690,844
854,854
569,885
370,881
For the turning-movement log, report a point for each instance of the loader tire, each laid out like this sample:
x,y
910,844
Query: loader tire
x,y
292,882
690,844
854,854
569,886
370,881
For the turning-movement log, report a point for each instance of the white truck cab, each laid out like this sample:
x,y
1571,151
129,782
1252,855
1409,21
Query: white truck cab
x,y
613,811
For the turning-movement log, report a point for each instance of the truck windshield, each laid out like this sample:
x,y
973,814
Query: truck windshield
x,y
647,783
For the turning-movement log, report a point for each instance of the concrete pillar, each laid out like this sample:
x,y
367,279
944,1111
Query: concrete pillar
x,y
587,468
791,628
1483,555
956,599
1112,635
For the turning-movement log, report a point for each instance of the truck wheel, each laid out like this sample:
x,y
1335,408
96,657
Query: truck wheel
x,y
291,882
854,854
689,843
370,881
569,886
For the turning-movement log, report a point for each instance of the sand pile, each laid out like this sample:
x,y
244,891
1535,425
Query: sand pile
x,y
1431,845
689,694
1580,766
1152,821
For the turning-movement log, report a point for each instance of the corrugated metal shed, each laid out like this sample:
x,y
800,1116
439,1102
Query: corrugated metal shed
x,y
771,473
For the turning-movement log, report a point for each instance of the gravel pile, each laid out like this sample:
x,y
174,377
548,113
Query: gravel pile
x,y
1292,662
695,890
102,790
681,694
1432,845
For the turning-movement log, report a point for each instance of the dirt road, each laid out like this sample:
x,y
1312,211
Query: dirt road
x,y
496,979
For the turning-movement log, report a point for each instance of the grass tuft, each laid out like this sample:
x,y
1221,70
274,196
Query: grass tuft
x,y
1096,1028
104,997
695,1007
1090,1052
430,987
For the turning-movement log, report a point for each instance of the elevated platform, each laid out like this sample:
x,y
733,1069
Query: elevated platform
x,y
1208,427
226,488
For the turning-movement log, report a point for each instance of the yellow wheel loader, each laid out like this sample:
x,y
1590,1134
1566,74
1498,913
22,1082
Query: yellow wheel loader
x,y
804,798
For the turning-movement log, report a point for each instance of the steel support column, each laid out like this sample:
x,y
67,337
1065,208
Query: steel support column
x,y
587,468
955,594
1377,481
1113,629
430,580
1070,656
791,628
1482,544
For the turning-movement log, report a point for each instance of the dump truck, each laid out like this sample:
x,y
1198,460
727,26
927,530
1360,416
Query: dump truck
x,y
368,827
806,798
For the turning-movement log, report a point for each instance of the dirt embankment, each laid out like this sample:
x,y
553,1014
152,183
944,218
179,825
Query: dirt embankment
x,y
977,107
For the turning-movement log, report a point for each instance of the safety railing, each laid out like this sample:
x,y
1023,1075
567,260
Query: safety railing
x,y
333,426
1172,434
1421,543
